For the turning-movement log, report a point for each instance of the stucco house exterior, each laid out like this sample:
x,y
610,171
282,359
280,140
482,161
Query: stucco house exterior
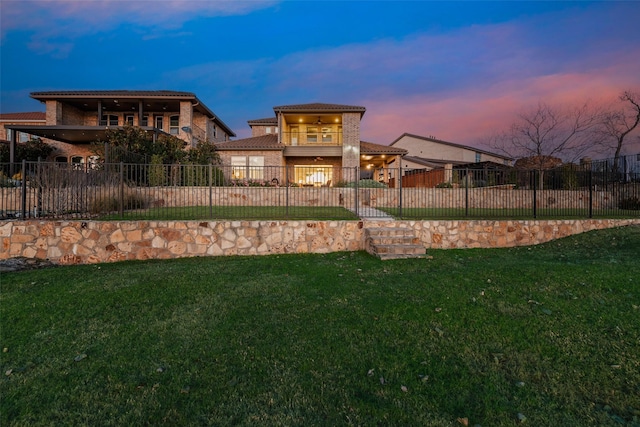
x,y
318,143
75,119
431,153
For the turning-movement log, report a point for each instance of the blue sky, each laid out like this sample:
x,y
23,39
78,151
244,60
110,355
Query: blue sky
x,y
456,70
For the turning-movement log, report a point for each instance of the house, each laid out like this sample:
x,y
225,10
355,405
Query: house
x,y
432,153
75,119
319,144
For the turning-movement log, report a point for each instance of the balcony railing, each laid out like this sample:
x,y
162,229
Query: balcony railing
x,y
312,139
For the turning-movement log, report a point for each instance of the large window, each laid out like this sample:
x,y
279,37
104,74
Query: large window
x,y
312,134
314,176
77,162
174,125
247,167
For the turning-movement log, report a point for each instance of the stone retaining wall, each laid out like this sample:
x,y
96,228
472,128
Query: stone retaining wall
x,y
75,242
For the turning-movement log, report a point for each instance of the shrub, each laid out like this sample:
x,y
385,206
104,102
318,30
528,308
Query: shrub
x,y
363,183
111,203
444,185
630,203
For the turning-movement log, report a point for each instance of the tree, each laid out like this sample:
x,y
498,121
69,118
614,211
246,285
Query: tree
x,y
619,122
137,141
30,151
547,132
204,153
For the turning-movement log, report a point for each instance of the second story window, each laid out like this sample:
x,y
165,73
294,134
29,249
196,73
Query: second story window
x,y
159,122
145,120
327,135
312,134
174,125
109,120
128,119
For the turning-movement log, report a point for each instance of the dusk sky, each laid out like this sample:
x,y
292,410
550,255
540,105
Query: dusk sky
x,y
455,70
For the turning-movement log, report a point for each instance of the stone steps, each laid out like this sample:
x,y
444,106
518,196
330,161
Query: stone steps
x,y
393,243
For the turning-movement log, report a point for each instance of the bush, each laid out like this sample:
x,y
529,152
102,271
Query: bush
x,y
630,203
444,185
111,203
363,183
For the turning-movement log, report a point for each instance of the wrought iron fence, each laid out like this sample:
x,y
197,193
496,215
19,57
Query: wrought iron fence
x,y
214,192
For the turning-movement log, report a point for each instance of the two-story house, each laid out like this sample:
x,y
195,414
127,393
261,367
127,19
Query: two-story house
x,y
75,119
319,144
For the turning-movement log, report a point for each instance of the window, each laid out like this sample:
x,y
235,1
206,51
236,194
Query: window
x,y
159,122
478,157
145,120
215,131
77,162
23,137
128,119
238,167
267,129
92,162
174,125
256,167
312,134
247,167
314,176
326,135
109,120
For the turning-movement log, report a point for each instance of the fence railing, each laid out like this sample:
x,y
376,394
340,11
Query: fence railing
x,y
166,192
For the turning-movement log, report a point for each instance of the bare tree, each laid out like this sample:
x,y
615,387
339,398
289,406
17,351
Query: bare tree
x,y
548,132
618,123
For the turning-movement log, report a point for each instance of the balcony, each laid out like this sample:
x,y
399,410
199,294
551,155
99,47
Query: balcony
x,y
311,139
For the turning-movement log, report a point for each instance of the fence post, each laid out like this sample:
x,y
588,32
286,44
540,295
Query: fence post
x,y
210,191
590,195
399,178
355,187
121,206
38,182
24,189
466,192
535,200
286,192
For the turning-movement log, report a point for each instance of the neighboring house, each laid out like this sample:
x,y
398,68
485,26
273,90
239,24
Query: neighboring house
x,y
7,135
319,143
431,153
75,119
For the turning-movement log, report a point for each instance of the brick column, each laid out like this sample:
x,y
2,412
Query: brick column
x,y
350,143
186,120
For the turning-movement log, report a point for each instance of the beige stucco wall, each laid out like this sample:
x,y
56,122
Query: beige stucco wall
x,y
433,150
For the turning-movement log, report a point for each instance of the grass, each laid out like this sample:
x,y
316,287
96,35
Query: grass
x,y
235,213
551,332
505,213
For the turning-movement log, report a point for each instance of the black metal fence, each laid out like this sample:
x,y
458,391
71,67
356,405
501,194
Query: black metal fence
x,y
213,192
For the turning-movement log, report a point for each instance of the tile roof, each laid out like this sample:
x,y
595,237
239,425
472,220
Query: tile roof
x,y
30,116
266,121
319,107
112,93
264,142
371,148
452,144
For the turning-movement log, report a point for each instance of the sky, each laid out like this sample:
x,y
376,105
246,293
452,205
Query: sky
x,y
455,70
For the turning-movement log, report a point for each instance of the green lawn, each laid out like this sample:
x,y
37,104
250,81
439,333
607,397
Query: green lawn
x,y
550,332
234,213
504,213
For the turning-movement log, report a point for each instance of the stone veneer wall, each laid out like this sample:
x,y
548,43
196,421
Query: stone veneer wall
x,y
69,242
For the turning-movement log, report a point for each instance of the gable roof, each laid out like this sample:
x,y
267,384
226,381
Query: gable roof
x,y
371,148
318,107
28,116
263,142
439,141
